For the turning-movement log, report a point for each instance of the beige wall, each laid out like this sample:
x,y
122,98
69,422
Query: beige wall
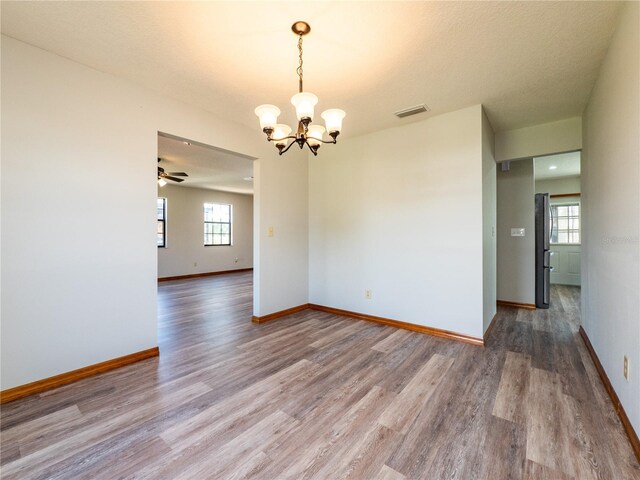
x,y
516,255
538,140
281,201
557,186
88,293
611,212
489,223
185,252
400,212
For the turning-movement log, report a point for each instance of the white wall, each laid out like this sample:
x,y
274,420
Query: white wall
x,y
185,252
489,223
538,140
400,212
283,267
516,255
86,292
77,273
611,208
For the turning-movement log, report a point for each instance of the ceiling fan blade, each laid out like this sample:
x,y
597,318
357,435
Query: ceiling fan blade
x,y
178,174
169,177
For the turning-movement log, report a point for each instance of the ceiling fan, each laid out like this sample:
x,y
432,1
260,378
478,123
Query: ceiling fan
x,y
164,176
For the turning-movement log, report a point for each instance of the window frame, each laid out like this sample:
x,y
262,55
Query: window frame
x,y
217,222
554,207
163,221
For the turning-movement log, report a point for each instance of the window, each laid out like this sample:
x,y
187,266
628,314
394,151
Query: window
x,y
217,224
162,222
566,223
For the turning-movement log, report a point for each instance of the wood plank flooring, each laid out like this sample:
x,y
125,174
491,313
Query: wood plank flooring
x,y
315,395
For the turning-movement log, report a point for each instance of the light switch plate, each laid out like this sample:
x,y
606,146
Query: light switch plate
x,y
517,232
625,371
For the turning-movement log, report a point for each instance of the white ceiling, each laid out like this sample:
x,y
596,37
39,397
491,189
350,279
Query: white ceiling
x,y
527,62
567,165
207,167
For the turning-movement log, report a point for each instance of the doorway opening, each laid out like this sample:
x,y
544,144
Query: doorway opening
x,y
205,209
205,215
559,177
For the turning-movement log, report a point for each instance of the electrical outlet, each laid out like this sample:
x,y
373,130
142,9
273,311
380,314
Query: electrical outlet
x,y
625,370
195,264
367,294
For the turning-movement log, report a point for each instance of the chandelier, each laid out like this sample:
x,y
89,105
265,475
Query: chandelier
x,y
304,102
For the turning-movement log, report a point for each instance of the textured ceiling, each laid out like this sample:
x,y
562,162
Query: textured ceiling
x,y
527,62
207,167
567,165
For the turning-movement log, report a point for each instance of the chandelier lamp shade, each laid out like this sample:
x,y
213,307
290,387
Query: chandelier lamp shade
x,y
307,133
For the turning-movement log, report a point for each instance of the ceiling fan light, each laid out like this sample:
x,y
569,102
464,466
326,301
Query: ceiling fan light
x,y
314,134
333,119
281,131
304,103
268,115
162,182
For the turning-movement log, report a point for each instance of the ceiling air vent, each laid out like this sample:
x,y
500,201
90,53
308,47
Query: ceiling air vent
x,y
412,111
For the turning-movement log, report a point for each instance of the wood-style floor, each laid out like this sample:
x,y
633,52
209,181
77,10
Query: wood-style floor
x,y
316,395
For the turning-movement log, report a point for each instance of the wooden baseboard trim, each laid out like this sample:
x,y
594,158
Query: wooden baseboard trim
x,y
206,274
489,328
436,332
631,433
528,306
45,384
281,313
560,195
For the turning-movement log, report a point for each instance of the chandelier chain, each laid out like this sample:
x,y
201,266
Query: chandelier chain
x,y
299,69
